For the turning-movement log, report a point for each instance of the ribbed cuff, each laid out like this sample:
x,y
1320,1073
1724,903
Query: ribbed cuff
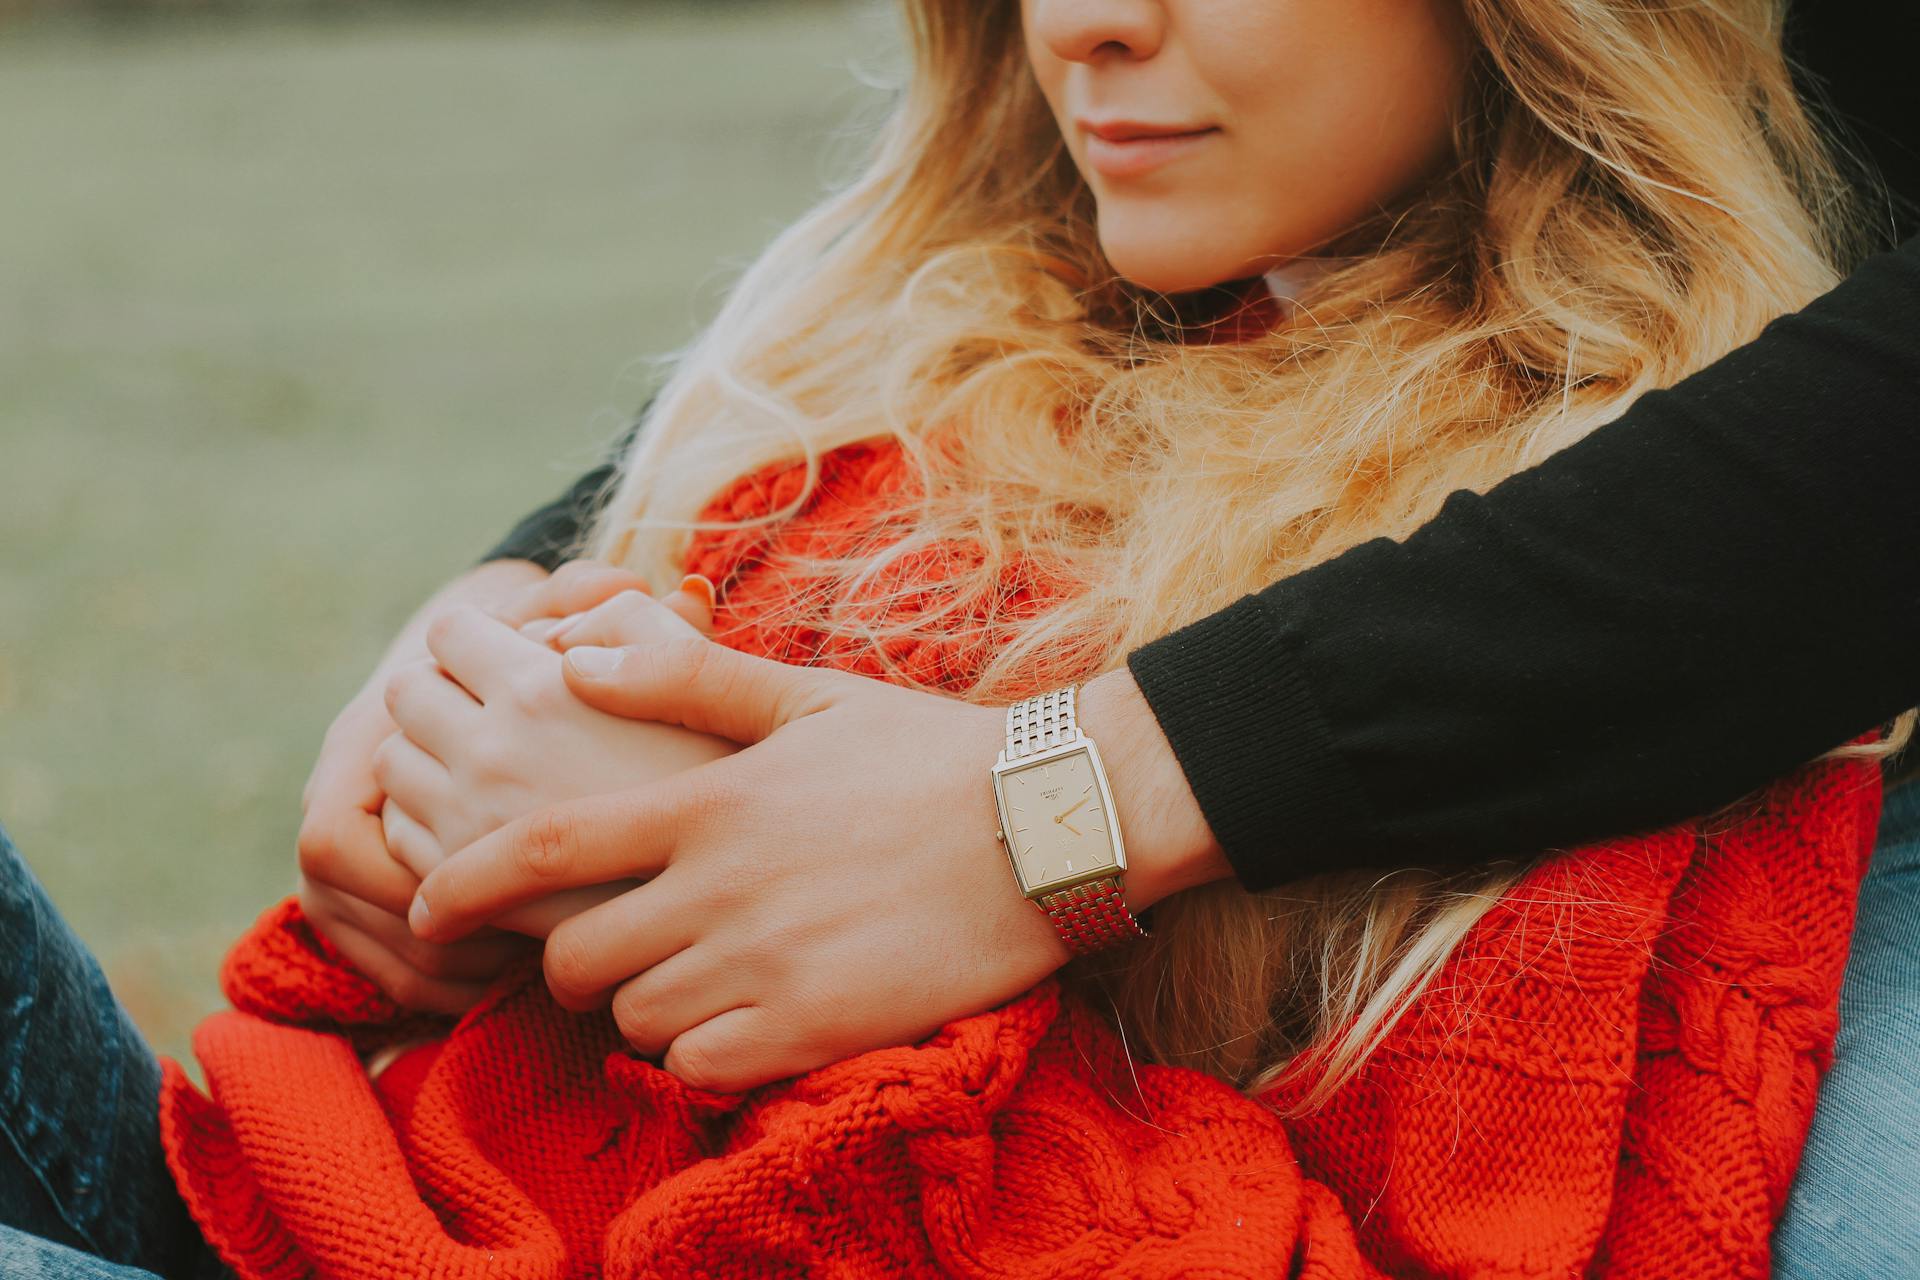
x,y
1231,697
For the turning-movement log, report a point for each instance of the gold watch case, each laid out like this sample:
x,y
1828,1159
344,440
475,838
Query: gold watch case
x,y
1056,818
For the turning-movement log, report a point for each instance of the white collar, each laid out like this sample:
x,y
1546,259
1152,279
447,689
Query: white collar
x,y
1289,280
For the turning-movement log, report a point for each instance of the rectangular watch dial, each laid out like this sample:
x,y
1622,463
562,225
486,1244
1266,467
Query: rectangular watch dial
x,y
1057,826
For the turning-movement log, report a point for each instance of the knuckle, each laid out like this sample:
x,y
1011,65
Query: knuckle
x,y
441,629
689,660
383,764
629,602
698,1065
568,965
407,681
547,844
637,1022
317,849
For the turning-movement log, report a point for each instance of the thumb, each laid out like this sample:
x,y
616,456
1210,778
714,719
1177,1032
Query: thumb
x,y
698,683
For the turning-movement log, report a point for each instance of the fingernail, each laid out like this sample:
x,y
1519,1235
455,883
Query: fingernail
x,y
698,584
590,662
419,919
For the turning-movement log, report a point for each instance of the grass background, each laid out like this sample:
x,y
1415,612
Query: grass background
x,y
296,318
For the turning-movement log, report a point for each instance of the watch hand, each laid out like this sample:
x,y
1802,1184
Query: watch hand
x,y
1076,804
1068,825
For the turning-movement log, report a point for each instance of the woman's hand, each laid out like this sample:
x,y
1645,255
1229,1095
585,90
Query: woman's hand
x,y
489,732
835,887
351,888
354,893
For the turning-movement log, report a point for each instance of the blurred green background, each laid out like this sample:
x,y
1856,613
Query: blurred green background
x,y
297,315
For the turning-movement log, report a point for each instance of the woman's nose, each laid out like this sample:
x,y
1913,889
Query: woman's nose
x,y
1094,30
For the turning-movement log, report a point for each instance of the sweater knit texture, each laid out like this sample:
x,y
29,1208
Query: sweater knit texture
x,y
1612,1076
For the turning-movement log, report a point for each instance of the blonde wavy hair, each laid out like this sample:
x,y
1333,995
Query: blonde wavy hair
x,y
1636,190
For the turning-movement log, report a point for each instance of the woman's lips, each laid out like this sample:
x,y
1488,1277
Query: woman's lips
x,y
1138,155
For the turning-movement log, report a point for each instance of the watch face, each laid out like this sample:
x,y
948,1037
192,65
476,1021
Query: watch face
x,y
1057,825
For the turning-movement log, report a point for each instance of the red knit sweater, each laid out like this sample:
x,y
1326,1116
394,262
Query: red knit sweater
x,y
1612,1076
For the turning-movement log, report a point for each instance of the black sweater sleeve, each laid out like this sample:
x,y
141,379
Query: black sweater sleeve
x,y
1692,600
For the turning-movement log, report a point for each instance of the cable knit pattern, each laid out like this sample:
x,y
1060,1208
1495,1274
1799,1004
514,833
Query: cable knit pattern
x,y
1612,1076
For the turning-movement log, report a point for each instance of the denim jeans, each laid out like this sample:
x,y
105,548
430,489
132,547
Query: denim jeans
x,y
1855,1207
84,1190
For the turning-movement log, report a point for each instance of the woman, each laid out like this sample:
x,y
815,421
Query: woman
x,y
1257,493
1506,355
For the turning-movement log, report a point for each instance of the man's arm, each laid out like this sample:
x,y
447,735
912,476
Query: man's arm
x,y
1693,600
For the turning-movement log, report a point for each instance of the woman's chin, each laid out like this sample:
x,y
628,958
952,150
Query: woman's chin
x,y
1164,269
1168,281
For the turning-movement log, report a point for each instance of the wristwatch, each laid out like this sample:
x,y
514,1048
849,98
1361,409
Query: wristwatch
x,y
1058,825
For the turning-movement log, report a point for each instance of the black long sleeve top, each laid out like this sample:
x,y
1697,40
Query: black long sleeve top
x,y
1694,599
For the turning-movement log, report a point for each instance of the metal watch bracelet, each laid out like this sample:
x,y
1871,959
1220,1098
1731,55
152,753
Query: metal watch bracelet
x,y
1092,915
